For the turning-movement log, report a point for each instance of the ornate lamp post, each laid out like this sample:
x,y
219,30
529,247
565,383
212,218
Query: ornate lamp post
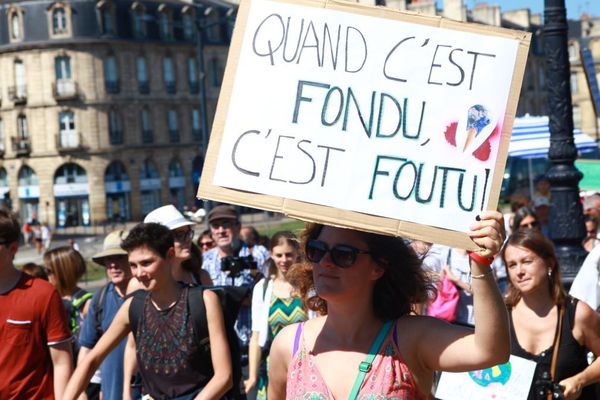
x,y
567,229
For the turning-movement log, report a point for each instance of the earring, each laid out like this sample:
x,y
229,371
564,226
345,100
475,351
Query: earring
x,y
549,273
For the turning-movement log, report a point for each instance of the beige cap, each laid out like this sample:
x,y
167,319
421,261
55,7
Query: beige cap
x,y
111,246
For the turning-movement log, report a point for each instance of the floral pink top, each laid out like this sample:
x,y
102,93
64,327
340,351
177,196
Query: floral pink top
x,y
389,377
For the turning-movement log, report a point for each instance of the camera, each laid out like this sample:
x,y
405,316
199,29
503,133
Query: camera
x,y
235,265
545,386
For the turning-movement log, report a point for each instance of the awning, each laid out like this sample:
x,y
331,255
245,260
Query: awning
x,y
531,138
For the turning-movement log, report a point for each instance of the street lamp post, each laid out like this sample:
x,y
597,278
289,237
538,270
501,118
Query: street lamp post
x,y
567,229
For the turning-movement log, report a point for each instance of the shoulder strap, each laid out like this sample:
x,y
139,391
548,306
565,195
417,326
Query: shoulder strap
x,y
297,339
365,366
556,346
265,285
80,301
198,313
136,308
99,310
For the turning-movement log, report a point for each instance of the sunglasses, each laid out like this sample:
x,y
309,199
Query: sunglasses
x,y
529,225
207,244
222,224
183,236
342,255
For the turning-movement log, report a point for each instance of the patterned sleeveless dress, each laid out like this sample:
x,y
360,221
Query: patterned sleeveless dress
x,y
388,378
282,312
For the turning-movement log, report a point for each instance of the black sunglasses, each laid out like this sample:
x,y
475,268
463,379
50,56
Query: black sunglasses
x,y
342,255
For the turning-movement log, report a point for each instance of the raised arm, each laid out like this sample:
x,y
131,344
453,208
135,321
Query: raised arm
x,y
221,359
115,333
450,348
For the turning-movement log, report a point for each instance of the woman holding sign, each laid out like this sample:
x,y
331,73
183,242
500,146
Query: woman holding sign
x,y
549,327
367,343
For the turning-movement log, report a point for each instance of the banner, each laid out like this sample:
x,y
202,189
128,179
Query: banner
x,y
365,117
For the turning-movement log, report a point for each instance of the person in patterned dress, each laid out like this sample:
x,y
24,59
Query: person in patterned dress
x,y
274,306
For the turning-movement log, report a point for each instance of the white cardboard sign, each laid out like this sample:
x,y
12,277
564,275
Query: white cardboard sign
x,y
365,110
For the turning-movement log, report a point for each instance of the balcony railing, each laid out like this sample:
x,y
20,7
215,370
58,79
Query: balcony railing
x,y
171,87
144,87
65,89
69,141
147,136
18,94
112,86
173,136
21,146
194,87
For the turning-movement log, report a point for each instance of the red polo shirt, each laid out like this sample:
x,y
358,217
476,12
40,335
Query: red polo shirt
x,y
32,317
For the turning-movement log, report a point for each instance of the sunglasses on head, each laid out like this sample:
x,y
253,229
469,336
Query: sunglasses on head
x,y
182,236
342,255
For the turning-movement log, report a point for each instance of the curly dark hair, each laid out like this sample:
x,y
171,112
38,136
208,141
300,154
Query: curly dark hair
x,y
156,237
404,282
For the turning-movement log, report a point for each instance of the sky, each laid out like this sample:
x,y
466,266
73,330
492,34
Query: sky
x,y
574,7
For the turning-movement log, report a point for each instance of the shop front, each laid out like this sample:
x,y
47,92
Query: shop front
x,y
71,193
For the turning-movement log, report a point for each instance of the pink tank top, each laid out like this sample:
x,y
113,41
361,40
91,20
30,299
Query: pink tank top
x,y
389,377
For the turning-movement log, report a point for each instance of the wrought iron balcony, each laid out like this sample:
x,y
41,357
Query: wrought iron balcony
x,y
69,141
112,86
194,87
65,89
144,87
21,146
18,94
171,87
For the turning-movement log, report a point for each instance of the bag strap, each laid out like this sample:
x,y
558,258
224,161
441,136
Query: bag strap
x,y
365,366
561,313
198,313
265,285
99,311
136,308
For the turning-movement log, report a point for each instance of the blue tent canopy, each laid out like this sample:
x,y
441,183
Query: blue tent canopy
x,y
531,138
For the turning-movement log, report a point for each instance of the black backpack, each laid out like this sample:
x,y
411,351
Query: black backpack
x,y
231,299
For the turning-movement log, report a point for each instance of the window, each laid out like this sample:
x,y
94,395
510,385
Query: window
x,y
70,173
62,67
111,74
146,124
188,26
173,126
196,128
20,87
107,18
573,56
137,19
574,86
169,75
15,25
28,177
217,72
68,137
115,130
213,23
165,25
59,21
2,138
577,116
142,75
193,75
22,131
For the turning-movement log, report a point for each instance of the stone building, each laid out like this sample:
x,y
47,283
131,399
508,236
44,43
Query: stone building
x,y
105,106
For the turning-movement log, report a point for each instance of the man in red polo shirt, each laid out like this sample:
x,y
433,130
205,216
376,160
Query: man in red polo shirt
x,y
35,350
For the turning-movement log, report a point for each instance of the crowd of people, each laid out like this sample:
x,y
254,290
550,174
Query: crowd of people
x,y
332,312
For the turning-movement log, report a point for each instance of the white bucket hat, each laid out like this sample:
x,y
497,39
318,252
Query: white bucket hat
x,y
168,216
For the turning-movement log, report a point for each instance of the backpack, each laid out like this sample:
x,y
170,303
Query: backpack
x,y
73,309
231,298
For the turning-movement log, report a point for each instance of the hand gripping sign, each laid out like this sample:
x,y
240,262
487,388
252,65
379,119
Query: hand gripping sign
x,y
365,117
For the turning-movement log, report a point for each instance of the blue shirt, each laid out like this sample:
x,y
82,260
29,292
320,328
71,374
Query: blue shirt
x,y
111,369
212,264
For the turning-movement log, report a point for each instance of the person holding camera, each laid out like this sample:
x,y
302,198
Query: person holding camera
x,y
231,262
547,326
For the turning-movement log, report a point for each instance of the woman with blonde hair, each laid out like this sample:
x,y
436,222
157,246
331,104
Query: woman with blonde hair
x,y
65,267
275,304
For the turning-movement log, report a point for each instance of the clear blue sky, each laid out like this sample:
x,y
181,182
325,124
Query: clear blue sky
x,y
574,7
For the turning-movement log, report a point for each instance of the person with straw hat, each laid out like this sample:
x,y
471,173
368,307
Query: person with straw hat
x,y
105,304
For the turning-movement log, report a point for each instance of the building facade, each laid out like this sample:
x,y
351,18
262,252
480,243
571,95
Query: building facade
x,y
106,105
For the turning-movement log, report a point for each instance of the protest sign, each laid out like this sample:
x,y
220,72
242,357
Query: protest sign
x,y
510,381
365,117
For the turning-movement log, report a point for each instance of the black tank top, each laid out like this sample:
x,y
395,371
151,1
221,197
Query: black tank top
x,y
170,361
572,357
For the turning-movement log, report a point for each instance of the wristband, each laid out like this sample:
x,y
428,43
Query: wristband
x,y
481,276
481,260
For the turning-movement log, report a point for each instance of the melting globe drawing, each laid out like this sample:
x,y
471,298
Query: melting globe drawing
x,y
497,374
